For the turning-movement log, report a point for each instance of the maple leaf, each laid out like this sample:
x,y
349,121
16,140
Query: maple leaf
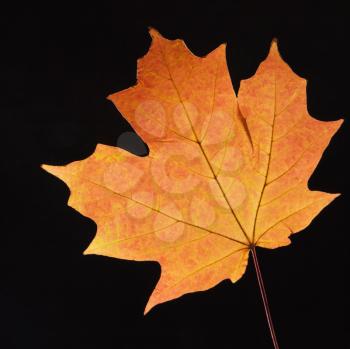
x,y
224,173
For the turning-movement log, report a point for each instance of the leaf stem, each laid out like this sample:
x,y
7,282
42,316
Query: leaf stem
x,y
264,297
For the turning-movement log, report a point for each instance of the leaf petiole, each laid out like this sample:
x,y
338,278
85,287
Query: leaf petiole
x,y
264,297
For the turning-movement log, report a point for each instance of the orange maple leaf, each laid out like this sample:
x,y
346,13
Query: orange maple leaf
x,y
224,173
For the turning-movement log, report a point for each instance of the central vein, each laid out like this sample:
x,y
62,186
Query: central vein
x,y
268,163
202,150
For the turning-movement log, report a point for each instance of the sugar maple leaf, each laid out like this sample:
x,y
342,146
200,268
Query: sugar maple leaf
x,y
224,173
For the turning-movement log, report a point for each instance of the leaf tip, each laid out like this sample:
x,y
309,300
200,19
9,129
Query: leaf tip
x,y
335,125
57,171
48,168
222,47
335,195
330,197
340,122
148,307
274,46
274,58
154,33
219,52
110,97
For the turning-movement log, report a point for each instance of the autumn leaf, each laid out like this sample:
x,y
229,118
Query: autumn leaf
x,y
224,173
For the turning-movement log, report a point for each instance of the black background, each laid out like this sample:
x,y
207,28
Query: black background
x,y
57,66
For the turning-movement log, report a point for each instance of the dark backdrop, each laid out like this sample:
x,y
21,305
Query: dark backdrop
x,y
57,66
